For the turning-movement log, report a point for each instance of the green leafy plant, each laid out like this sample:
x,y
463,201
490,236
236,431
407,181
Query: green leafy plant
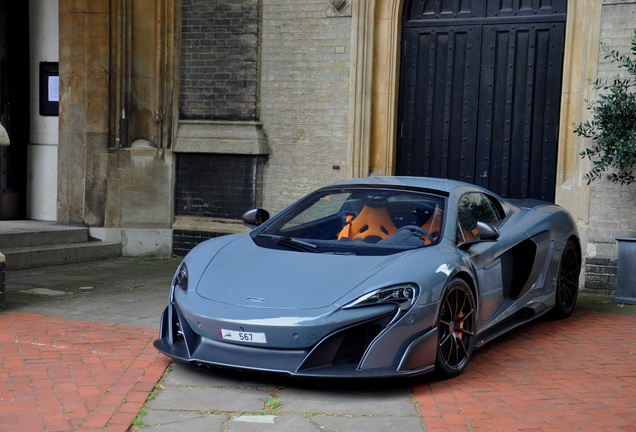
x,y
272,404
613,124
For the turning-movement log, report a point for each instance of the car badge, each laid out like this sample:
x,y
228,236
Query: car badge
x,y
256,299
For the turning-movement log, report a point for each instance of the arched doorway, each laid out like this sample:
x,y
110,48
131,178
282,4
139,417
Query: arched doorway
x,y
480,92
14,106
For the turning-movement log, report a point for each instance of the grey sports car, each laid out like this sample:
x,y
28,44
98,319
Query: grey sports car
x,y
374,277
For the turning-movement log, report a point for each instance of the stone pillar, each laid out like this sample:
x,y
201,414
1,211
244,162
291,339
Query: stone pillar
x,y
142,40
83,121
116,87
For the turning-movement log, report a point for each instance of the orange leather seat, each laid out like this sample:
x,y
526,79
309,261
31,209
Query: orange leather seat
x,y
370,222
434,224
467,235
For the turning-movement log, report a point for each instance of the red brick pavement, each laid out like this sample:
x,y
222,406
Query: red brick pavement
x,y
577,374
64,375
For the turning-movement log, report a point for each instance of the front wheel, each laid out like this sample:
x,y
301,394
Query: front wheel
x,y
567,286
456,326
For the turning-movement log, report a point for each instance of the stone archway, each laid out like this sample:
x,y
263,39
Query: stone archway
x,y
374,86
480,91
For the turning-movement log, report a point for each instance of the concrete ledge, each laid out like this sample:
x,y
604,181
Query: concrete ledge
x,y
136,242
189,231
215,225
158,242
220,137
106,234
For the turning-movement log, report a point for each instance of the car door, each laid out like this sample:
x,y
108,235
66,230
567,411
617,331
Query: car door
x,y
486,257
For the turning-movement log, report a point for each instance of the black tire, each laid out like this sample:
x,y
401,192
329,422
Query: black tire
x,y
456,326
567,284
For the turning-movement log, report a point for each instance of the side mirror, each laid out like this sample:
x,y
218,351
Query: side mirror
x,y
255,217
487,232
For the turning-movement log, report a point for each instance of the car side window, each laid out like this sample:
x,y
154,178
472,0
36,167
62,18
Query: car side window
x,y
474,207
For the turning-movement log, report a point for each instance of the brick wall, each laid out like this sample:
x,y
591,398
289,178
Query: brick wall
x,y
184,241
213,186
612,207
217,186
219,81
304,97
302,93
219,53
600,274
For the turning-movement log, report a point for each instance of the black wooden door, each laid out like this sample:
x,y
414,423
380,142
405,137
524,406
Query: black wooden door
x,y
14,106
480,93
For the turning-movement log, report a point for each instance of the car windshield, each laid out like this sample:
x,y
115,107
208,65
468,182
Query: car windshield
x,y
358,221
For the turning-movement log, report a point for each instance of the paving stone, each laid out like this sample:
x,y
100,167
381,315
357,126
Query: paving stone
x,y
210,399
184,374
569,374
67,374
208,423
357,402
282,423
155,417
369,423
50,364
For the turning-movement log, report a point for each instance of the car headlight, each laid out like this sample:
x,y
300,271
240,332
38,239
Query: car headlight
x,y
401,295
181,277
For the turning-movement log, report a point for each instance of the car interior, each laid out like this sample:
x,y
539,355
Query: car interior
x,y
386,218
380,219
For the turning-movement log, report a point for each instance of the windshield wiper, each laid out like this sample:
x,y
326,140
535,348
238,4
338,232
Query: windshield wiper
x,y
292,242
297,243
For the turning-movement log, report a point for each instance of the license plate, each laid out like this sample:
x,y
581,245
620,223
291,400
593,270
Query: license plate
x,y
241,336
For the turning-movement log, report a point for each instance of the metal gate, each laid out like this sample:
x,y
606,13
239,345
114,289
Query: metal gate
x,y
480,93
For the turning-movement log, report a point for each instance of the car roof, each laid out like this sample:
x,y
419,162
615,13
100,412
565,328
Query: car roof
x,y
439,184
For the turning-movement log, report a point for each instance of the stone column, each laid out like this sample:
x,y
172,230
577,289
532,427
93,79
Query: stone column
x,y
83,121
117,87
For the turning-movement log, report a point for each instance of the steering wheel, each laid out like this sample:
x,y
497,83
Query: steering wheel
x,y
417,231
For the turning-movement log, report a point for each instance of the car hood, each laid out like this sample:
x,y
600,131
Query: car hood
x,y
244,274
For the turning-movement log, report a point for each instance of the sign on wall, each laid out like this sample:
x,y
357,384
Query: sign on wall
x,y
49,88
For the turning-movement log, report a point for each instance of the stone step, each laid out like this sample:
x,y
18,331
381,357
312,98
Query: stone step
x,y
46,255
42,238
18,234
30,244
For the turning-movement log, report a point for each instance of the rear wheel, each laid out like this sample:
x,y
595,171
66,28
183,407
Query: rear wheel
x,y
567,287
456,326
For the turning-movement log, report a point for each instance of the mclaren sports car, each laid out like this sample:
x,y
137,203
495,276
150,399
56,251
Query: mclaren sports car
x,y
374,277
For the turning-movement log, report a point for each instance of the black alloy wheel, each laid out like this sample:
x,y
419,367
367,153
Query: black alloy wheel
x,y
456,325
567,286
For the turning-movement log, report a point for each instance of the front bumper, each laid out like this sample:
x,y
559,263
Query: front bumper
x,y
376,347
